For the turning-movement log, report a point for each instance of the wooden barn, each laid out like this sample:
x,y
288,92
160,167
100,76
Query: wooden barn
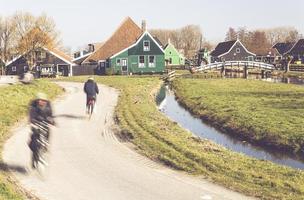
x,y
230,51
47,61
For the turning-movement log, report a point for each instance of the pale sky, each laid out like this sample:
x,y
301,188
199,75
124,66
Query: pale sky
x,y
85,21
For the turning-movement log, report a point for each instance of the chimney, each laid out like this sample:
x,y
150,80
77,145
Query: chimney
x,y
143,25
169,41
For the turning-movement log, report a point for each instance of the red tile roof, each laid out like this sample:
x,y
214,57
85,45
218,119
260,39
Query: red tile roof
x,y
126,34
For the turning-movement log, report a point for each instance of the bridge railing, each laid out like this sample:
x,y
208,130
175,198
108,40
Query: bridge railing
x,y
219,65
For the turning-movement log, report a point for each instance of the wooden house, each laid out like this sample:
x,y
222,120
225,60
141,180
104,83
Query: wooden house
x,y
230,51
130,50
47,61
172,56
297,52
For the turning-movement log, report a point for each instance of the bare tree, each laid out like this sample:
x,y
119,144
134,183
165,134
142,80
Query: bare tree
x,y
191,35
282,34
231,34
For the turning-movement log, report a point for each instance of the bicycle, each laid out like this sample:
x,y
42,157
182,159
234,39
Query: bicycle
x,y
90,107
39,145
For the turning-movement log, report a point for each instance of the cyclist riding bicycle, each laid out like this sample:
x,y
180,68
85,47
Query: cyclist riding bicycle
x,y
91,90
40,117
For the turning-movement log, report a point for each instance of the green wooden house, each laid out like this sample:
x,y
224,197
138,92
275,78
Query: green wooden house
x,y
172,56
144,56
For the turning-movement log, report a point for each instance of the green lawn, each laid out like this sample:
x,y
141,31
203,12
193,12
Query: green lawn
x,y
14,102
163,140
267,113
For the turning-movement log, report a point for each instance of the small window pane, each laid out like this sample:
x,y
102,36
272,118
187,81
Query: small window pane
x,y
146,45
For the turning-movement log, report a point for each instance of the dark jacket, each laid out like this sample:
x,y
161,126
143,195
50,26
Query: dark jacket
x,y
41,114
91,88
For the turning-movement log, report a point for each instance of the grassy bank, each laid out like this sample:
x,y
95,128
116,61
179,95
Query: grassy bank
x,y
14,102
272,114
162,140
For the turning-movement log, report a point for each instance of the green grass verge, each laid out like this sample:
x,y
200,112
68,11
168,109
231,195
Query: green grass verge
x,y
14,101
163,140
267,113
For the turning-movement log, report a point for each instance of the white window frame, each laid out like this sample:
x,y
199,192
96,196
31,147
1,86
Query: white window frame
x,y
146,49
238,50
14,68
141,65
25,68
152,65
118,64
126,59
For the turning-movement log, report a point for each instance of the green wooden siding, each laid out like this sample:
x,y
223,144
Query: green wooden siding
x,y
172,54
132,55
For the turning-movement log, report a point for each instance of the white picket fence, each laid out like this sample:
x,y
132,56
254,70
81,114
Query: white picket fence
x,y
220,65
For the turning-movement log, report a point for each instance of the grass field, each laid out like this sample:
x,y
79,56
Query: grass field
x,y
14,102
272,114
163,140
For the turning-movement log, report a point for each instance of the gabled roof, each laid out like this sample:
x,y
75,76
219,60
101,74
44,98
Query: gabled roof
x,y
136,43
298,48
283,47
170,44
126,34
222,48
158,41
59,54
225,47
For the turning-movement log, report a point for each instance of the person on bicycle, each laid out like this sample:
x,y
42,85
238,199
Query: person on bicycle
x,y
40,117
91,90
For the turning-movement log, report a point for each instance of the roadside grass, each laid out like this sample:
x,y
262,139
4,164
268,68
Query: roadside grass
x,y
266,113
14,101
163,140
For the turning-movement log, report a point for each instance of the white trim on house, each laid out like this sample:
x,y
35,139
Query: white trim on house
x,y
13,60
126,59
149,46
232,48
136,43
153,62
83,56
291,47
139,66
65,60
119,62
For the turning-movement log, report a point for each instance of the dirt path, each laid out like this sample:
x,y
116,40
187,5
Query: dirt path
x,y
87,162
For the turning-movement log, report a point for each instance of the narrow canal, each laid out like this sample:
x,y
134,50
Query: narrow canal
x,y
168,104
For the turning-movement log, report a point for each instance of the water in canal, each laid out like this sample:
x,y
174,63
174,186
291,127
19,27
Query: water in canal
x,y
170,107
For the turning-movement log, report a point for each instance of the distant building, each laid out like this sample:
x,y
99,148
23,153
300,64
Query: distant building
x,y
81,55
172,56
130,49
47,61
231,50
297,52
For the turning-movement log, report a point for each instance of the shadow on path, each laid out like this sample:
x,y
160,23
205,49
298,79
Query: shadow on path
x,y
69,116
13,168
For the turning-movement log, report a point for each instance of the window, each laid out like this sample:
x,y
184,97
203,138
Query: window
x,y
146,45
170,60
238,50
14,68
25,68
43,55
141,62
118,62
151,61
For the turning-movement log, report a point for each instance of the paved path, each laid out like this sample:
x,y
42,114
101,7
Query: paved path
x,y
87,162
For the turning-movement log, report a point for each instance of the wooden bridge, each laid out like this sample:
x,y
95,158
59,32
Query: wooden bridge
x,y
245,65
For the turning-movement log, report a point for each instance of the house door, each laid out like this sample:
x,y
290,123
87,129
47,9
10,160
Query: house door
x,y
124,66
